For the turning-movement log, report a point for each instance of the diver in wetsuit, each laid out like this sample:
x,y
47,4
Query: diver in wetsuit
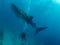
x,y
23,38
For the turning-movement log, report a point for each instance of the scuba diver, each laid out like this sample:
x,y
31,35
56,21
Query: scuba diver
x,y
23,39
23,36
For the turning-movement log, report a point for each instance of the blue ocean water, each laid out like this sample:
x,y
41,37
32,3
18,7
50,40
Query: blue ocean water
x,y
44,12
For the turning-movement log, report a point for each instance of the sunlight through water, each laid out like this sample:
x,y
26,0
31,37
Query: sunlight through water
x,y
56,1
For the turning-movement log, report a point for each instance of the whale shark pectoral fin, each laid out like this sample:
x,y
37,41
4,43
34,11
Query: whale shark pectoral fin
x,y
40,29
31,17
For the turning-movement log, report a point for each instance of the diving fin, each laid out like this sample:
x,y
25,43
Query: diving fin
x,y
40,29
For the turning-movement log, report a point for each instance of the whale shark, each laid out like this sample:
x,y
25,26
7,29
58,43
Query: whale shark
x,y
28,19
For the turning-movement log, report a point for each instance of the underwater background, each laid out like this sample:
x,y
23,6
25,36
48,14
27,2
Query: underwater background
x,y
45,13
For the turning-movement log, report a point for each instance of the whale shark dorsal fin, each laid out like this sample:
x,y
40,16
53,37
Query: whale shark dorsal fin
x,y
31,17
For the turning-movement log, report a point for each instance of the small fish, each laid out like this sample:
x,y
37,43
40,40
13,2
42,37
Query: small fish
x,y
28,19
